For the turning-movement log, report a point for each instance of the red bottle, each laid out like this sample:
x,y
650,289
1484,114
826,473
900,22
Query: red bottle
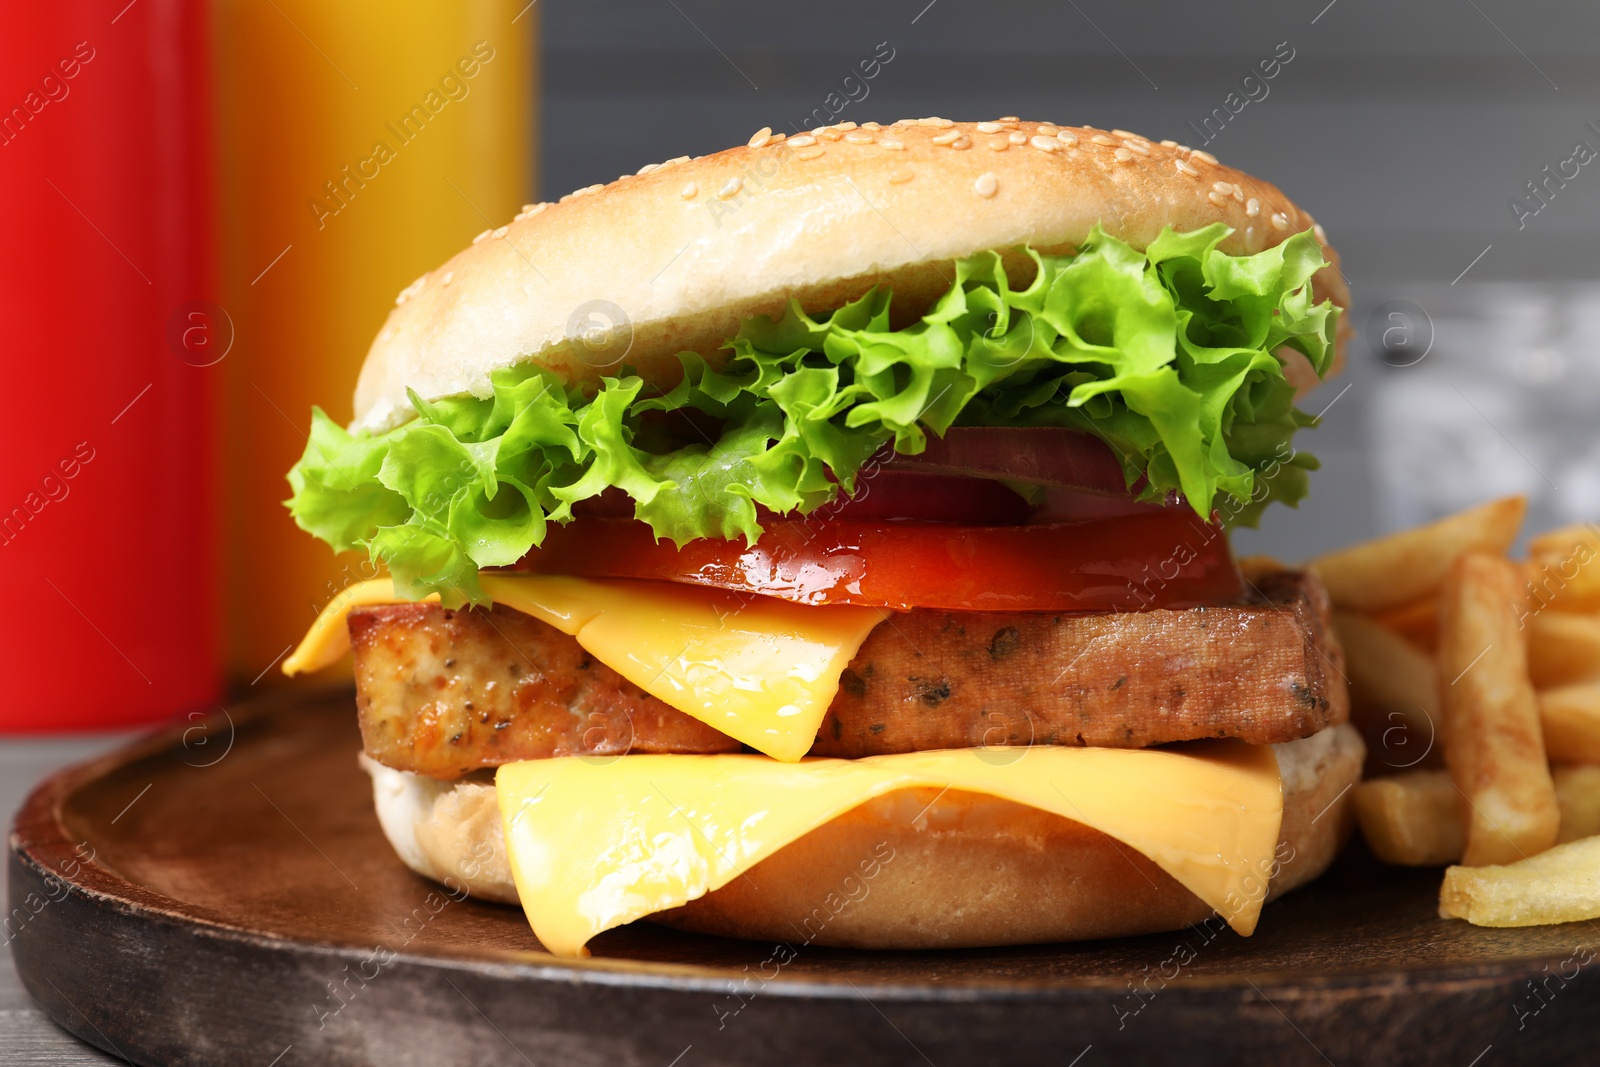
x,y
108,372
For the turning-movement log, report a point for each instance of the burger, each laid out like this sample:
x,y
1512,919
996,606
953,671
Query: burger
x,y
826,541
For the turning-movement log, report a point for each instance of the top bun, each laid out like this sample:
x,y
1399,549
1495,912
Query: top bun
x,y
674,257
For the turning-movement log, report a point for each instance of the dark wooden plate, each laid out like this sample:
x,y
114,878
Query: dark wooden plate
x,y
220,893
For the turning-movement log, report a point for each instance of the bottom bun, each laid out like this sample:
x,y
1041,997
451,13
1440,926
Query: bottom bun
x,y
915,868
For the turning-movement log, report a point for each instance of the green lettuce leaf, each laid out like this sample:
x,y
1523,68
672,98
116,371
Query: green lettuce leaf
x,y
1165,354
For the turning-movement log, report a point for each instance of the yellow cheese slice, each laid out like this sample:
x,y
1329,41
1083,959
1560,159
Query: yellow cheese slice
x,y
761,670
594,845
329,636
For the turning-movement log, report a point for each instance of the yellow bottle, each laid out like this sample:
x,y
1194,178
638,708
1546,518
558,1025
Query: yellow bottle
x,y
361,143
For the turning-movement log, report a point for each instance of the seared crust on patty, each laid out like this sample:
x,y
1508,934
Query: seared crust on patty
x,y
444,692
1265,672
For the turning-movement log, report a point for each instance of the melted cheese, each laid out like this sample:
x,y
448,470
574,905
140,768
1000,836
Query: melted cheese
x,y
328,639
596,844
761,670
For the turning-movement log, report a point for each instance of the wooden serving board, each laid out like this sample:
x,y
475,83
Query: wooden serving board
x,y
221,894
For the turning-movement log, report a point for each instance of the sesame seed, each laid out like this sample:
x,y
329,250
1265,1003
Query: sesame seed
x,y
844,127
1047,128
1185,148
988,127
1222,187
892,145
999,146
1185,168
962,143
1122,155
1219,199
778,138
1123,133
809,153
499,233
730,187
1252,207
1017,138
1170,144
648,167
1280,221
1207,156
1066,137
481,236
1135,146
986,185
449,276
900,176
859,137
872,126
828,133
1238,193
410,291
1009,118
1322,235
805,140
690,191
1101,138
936,122
1045,144
946,137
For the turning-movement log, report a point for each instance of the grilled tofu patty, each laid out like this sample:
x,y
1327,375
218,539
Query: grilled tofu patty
x,y
442,693
445,692
1263,672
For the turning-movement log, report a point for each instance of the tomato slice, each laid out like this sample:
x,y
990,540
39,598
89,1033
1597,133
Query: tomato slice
x,y
1159,558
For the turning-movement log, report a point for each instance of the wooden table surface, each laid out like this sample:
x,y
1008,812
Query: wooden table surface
x,y
27,1037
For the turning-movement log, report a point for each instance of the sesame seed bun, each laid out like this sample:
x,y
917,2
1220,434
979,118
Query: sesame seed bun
x,y
674,257
921,869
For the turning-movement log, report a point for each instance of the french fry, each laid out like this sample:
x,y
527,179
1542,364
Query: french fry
x,y
1570,717
1394,694
1578,793
1563,648
1406,566
1558,886
1412,819
1564,569
1493,744
1417,622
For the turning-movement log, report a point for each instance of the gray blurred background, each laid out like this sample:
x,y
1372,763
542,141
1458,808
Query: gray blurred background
x,y
1407,129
